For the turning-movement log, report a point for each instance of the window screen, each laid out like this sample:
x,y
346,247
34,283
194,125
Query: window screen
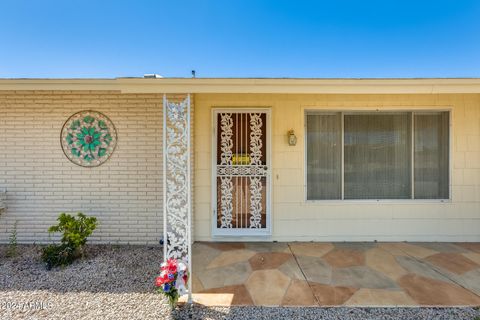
x,y
377,155
431,156
324,146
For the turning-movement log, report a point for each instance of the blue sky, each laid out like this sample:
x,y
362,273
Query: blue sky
x,y
324,39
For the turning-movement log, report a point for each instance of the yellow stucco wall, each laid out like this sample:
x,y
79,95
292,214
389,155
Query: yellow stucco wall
x,y
293,218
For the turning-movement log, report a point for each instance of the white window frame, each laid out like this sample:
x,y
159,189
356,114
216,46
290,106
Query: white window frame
x,y
412,111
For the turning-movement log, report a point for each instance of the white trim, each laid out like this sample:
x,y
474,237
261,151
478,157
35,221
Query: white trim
x,y
164,190
218,233
213,159
383,109
252,85
305,157
189,199
412,155
450,153
342,150
379,201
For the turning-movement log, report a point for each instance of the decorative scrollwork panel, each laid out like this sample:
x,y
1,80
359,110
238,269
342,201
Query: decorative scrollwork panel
x,y
241,170
177,206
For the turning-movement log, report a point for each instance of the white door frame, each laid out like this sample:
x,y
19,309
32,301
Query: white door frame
x,y
229,232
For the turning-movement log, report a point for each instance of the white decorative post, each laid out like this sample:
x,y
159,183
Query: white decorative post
x,y
177,208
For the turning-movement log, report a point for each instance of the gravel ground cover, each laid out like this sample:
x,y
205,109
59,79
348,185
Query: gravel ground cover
x,y
116,282
243,313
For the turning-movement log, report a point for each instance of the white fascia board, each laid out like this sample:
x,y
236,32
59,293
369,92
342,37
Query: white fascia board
x,y
236,85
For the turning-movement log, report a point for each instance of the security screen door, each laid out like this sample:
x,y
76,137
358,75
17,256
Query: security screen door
x,y
241,172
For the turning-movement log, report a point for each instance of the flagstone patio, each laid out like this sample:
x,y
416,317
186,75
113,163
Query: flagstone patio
x,y
336,274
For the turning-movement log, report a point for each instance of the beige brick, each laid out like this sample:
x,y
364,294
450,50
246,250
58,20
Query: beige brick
x,y
41,182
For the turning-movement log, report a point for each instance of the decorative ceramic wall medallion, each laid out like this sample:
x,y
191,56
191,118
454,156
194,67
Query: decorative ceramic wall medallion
x,y
88,138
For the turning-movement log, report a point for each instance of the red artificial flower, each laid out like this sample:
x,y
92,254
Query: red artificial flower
x,y
164,276
172,265
158,281
185,278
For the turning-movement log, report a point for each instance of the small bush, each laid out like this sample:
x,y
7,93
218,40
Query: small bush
x,y
12,242
75,230
58,255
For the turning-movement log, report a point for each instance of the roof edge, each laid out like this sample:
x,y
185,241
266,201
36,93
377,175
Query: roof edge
x,y
252,85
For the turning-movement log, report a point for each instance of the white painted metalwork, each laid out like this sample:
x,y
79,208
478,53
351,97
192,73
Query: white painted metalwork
x,y
241,175
255,160
226,160
177,206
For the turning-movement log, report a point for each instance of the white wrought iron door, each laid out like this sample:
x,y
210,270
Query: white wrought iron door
x,y
241,172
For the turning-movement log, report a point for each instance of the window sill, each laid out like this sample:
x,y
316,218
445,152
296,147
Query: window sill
x,y
380,201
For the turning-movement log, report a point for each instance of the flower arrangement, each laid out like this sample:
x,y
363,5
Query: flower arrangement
x,y
172,281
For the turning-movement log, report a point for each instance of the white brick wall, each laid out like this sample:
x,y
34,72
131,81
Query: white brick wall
x,y
125,193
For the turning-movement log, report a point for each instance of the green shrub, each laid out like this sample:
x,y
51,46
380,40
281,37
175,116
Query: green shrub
x,y
12,242
75,232
58,255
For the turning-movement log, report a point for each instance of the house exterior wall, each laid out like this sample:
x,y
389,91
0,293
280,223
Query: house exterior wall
x,y
295,219
124,193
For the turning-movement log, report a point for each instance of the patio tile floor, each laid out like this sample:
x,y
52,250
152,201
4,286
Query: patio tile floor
x,y
336,274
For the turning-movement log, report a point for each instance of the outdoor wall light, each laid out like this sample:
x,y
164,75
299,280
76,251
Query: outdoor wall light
x,y
292,139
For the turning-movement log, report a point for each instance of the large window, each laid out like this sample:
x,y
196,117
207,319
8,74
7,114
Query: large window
x,y
381,155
